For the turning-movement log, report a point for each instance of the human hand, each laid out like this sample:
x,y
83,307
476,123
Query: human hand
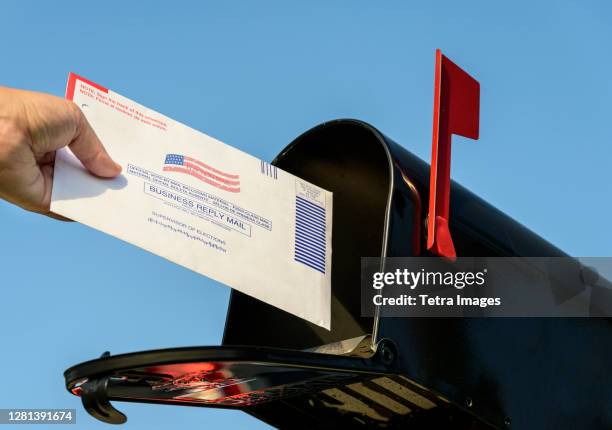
x,y
32,127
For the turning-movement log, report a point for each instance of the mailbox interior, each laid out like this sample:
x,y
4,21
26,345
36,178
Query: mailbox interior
x,y
350,159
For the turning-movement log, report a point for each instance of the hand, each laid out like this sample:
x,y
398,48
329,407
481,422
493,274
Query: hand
x,y
32,127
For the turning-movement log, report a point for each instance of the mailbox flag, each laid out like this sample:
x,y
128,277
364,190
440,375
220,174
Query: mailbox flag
x,y
456,111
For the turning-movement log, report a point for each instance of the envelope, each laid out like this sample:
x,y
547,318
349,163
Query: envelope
x,y
201,203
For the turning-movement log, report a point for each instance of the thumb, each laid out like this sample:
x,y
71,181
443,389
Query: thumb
x,y
89,150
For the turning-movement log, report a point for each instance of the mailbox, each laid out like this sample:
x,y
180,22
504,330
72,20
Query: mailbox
x,y
413,373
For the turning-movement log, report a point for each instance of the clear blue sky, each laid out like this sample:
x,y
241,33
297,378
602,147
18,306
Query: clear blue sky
x,y
256,75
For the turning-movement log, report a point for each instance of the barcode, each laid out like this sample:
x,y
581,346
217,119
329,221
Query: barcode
x,y
310,234
268,169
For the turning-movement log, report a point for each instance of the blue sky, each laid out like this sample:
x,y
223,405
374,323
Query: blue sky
x,y
256,75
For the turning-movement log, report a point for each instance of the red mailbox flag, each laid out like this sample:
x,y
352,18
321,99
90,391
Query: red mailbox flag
x,y
456,111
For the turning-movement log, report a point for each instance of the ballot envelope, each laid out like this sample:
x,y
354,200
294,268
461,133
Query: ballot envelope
x,y
200,203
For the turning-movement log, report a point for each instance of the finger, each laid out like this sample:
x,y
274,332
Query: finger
x,y
58,217
89,150
47,171
46,181
46,158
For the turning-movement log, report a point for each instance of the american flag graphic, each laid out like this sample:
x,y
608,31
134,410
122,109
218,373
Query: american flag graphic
x,y
202,171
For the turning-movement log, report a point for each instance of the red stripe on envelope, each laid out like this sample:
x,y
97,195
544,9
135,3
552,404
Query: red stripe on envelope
x,y
72,78
212,169
190,164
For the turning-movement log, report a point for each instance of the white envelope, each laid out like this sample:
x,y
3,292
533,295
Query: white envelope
x,y
200,203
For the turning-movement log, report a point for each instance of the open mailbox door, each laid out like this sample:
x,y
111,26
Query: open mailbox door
x,y
238,377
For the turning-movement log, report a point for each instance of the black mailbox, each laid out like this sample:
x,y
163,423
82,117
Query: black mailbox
x,y
412,373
